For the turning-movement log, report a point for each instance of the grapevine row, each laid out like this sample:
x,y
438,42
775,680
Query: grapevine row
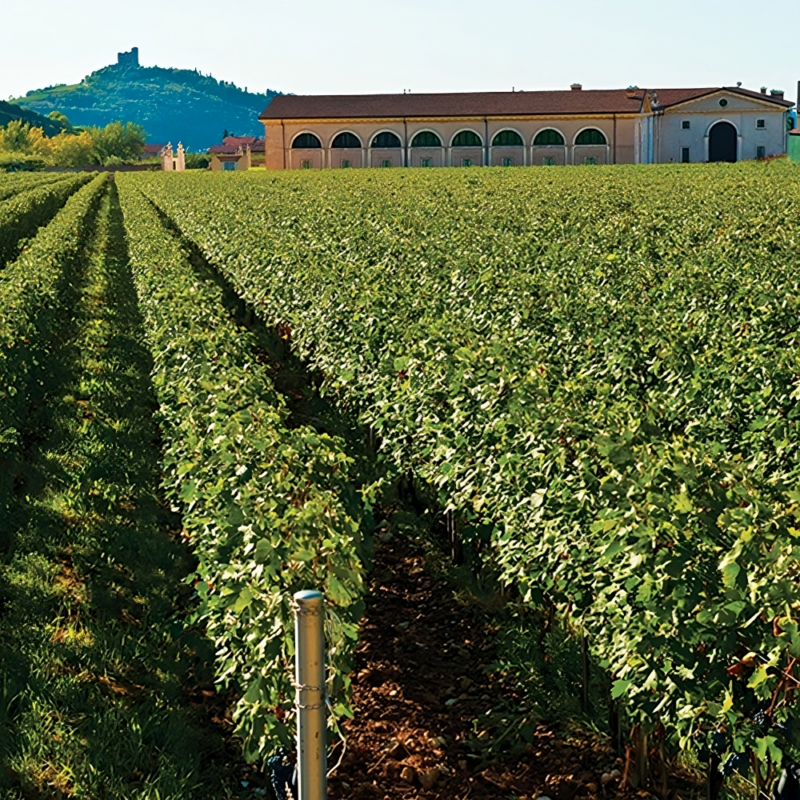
x,y
269,509
22,215
15,184
31,301
600,370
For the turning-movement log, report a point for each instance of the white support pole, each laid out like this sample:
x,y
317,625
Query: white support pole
x,y
312,765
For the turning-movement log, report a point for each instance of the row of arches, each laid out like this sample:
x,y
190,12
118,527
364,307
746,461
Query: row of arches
x,y
466,138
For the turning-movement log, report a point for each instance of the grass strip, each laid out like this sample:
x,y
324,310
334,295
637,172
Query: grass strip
x,y
32,300
106,692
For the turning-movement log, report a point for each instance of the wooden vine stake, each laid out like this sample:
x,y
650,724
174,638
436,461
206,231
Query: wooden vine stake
x,y
585,674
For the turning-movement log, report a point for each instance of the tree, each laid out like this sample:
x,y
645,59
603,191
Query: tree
x,y
117,140
114,144
57,116
69,149
19,137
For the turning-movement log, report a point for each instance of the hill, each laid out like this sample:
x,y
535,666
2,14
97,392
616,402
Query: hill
x,y
171,104
10,112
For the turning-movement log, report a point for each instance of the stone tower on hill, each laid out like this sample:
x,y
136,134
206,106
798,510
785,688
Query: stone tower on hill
x,y
129,59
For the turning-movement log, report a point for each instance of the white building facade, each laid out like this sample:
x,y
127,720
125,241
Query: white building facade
x,y
725,125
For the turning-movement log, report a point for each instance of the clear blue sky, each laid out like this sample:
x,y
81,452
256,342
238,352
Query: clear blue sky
x,y
354,46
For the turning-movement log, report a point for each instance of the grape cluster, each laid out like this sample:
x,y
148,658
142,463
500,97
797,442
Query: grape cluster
x,y
719,742
735,762
788,787
283,776
767,721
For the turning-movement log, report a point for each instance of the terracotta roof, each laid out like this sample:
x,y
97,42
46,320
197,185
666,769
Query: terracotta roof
x,y
593,101
241,140
153,149
231,145
674,97
603,101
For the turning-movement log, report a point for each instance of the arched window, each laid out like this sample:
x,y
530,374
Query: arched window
x,y
507,139
426,139
591,136
467,139
386,139
346,140
306,141
548,137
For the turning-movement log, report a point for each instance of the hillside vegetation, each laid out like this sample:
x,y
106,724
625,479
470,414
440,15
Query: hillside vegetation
x,y
14,113
171,104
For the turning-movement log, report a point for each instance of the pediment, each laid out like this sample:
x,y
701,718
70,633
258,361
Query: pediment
x,y
733,102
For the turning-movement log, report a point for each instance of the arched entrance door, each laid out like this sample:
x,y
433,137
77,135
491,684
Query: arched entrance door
x,y
722,142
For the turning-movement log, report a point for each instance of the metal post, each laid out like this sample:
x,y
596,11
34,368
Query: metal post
x,y
312,765
585,673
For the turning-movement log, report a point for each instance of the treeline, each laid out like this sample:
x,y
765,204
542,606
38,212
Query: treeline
x,y
28,146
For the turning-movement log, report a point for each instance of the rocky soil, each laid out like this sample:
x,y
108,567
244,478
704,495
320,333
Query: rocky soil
x,y
422,684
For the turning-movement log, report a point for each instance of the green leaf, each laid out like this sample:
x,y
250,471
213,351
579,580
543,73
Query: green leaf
x,y
263,551
767,746
243,600
619,688
682,504
729,574
611,551
253,694
759,676
188,492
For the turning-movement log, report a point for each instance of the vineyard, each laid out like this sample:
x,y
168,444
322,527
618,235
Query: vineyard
x,y
589,377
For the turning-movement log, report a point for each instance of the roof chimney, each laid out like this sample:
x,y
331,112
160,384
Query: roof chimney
x,y
777,93
763,90
576,87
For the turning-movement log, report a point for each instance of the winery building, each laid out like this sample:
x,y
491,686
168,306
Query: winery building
x,y
577,126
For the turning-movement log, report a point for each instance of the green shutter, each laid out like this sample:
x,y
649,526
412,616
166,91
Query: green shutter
x,y
426,139
306,141
346,140
467,139
548,137
591,136
507,139
386,139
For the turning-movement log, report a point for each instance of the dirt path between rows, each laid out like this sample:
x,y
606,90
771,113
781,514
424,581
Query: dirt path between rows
x,y
420,682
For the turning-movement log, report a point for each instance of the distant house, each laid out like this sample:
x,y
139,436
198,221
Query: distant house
x,y
232,144
236,153
153,150
225,162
